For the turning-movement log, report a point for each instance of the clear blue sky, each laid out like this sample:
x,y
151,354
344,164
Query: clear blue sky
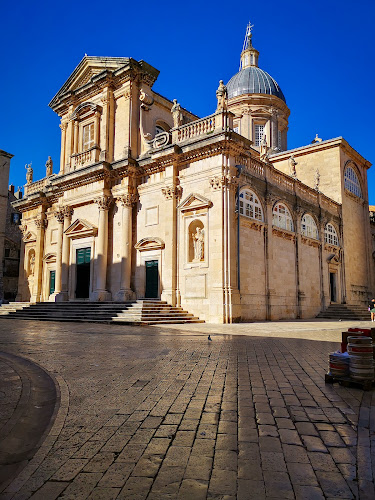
x,y
320,53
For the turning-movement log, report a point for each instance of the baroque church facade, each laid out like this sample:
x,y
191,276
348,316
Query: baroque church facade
x,y
214,214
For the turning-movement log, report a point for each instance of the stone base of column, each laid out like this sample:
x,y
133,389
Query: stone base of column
x,y
125,296
169,296
101,296
60,297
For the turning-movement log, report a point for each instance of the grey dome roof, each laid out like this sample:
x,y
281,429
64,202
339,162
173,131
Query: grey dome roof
x,y
253,80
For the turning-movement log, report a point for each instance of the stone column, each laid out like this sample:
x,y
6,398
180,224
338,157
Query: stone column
x,y
76,137
22,274
41,224
63,127
65,257
101,294
274,130
125,293
60,219
172,194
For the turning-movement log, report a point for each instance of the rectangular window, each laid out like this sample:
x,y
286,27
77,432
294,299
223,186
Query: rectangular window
x,y
259,131
279,139
88,137
7,252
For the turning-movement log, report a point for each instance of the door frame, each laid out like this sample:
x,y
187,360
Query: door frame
x,y
140,281
77,244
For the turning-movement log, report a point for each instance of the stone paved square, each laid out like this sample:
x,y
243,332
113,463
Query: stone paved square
x,y
163,413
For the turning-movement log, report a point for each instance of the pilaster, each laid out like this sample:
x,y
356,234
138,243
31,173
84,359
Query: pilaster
x,y
101,293
41,224
65,256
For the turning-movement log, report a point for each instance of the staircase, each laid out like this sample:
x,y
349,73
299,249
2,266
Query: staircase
x,y
140,312
345,312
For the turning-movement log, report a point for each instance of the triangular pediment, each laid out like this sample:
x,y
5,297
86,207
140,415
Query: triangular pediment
x,y
81,228
333,259
195,202
29,237
88,68
150,243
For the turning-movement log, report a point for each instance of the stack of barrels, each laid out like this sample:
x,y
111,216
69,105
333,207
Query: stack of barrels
x,y
338,364
361,358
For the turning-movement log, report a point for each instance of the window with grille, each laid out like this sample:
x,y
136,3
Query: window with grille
x,y
330,235
308,227
159,129
250,205
351,182
88,136
259,131
282,218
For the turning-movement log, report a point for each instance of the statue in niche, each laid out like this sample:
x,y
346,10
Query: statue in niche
x,y
263,148
292,165
29,174
176,114
198,241
49,167
221,95
32,265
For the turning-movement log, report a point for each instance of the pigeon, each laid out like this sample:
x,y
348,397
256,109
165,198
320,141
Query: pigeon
x,y
209,338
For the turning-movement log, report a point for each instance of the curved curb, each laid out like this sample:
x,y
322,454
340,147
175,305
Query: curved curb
x,y
36,422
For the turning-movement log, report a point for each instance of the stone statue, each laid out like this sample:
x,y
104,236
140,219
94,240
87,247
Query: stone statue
x,y
221,95
317,139
317,179
292,165
263,148
198,241
176,114
49,167
32,265
29,174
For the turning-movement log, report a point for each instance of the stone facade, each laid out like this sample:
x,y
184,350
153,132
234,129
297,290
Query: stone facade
x,y
4,179
12,246
151,201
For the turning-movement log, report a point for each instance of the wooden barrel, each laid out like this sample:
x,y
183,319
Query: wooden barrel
x,y
338,365
360,350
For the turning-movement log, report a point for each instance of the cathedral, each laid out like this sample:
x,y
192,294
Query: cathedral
x,y
213,214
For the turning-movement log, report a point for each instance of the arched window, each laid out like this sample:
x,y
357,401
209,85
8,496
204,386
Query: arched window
x,y
250,205
159,129
330,235
351,182
282,218
309,228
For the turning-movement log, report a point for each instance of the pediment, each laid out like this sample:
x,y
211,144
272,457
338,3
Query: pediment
x,y
87,69
195,202
49,257
81,228
29,237
333,259
150,244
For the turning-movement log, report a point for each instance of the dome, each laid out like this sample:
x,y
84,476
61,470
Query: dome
x,y
253,80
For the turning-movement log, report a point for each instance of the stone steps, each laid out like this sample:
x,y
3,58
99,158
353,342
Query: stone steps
x,y
139,312
346,312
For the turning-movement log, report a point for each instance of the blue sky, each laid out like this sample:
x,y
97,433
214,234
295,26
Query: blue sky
x,y
320,53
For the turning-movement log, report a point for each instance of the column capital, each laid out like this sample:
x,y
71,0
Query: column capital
x,y
68,212
41,223
171,192
128,200
104,202
60,214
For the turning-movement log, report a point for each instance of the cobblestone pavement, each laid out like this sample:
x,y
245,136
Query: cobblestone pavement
x,y
163,414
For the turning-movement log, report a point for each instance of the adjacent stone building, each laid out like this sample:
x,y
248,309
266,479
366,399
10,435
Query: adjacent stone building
x,y
4,178
12,246
214,214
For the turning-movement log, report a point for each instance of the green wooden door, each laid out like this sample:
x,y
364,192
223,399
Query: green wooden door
x,y
152,279
52,277
83,257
